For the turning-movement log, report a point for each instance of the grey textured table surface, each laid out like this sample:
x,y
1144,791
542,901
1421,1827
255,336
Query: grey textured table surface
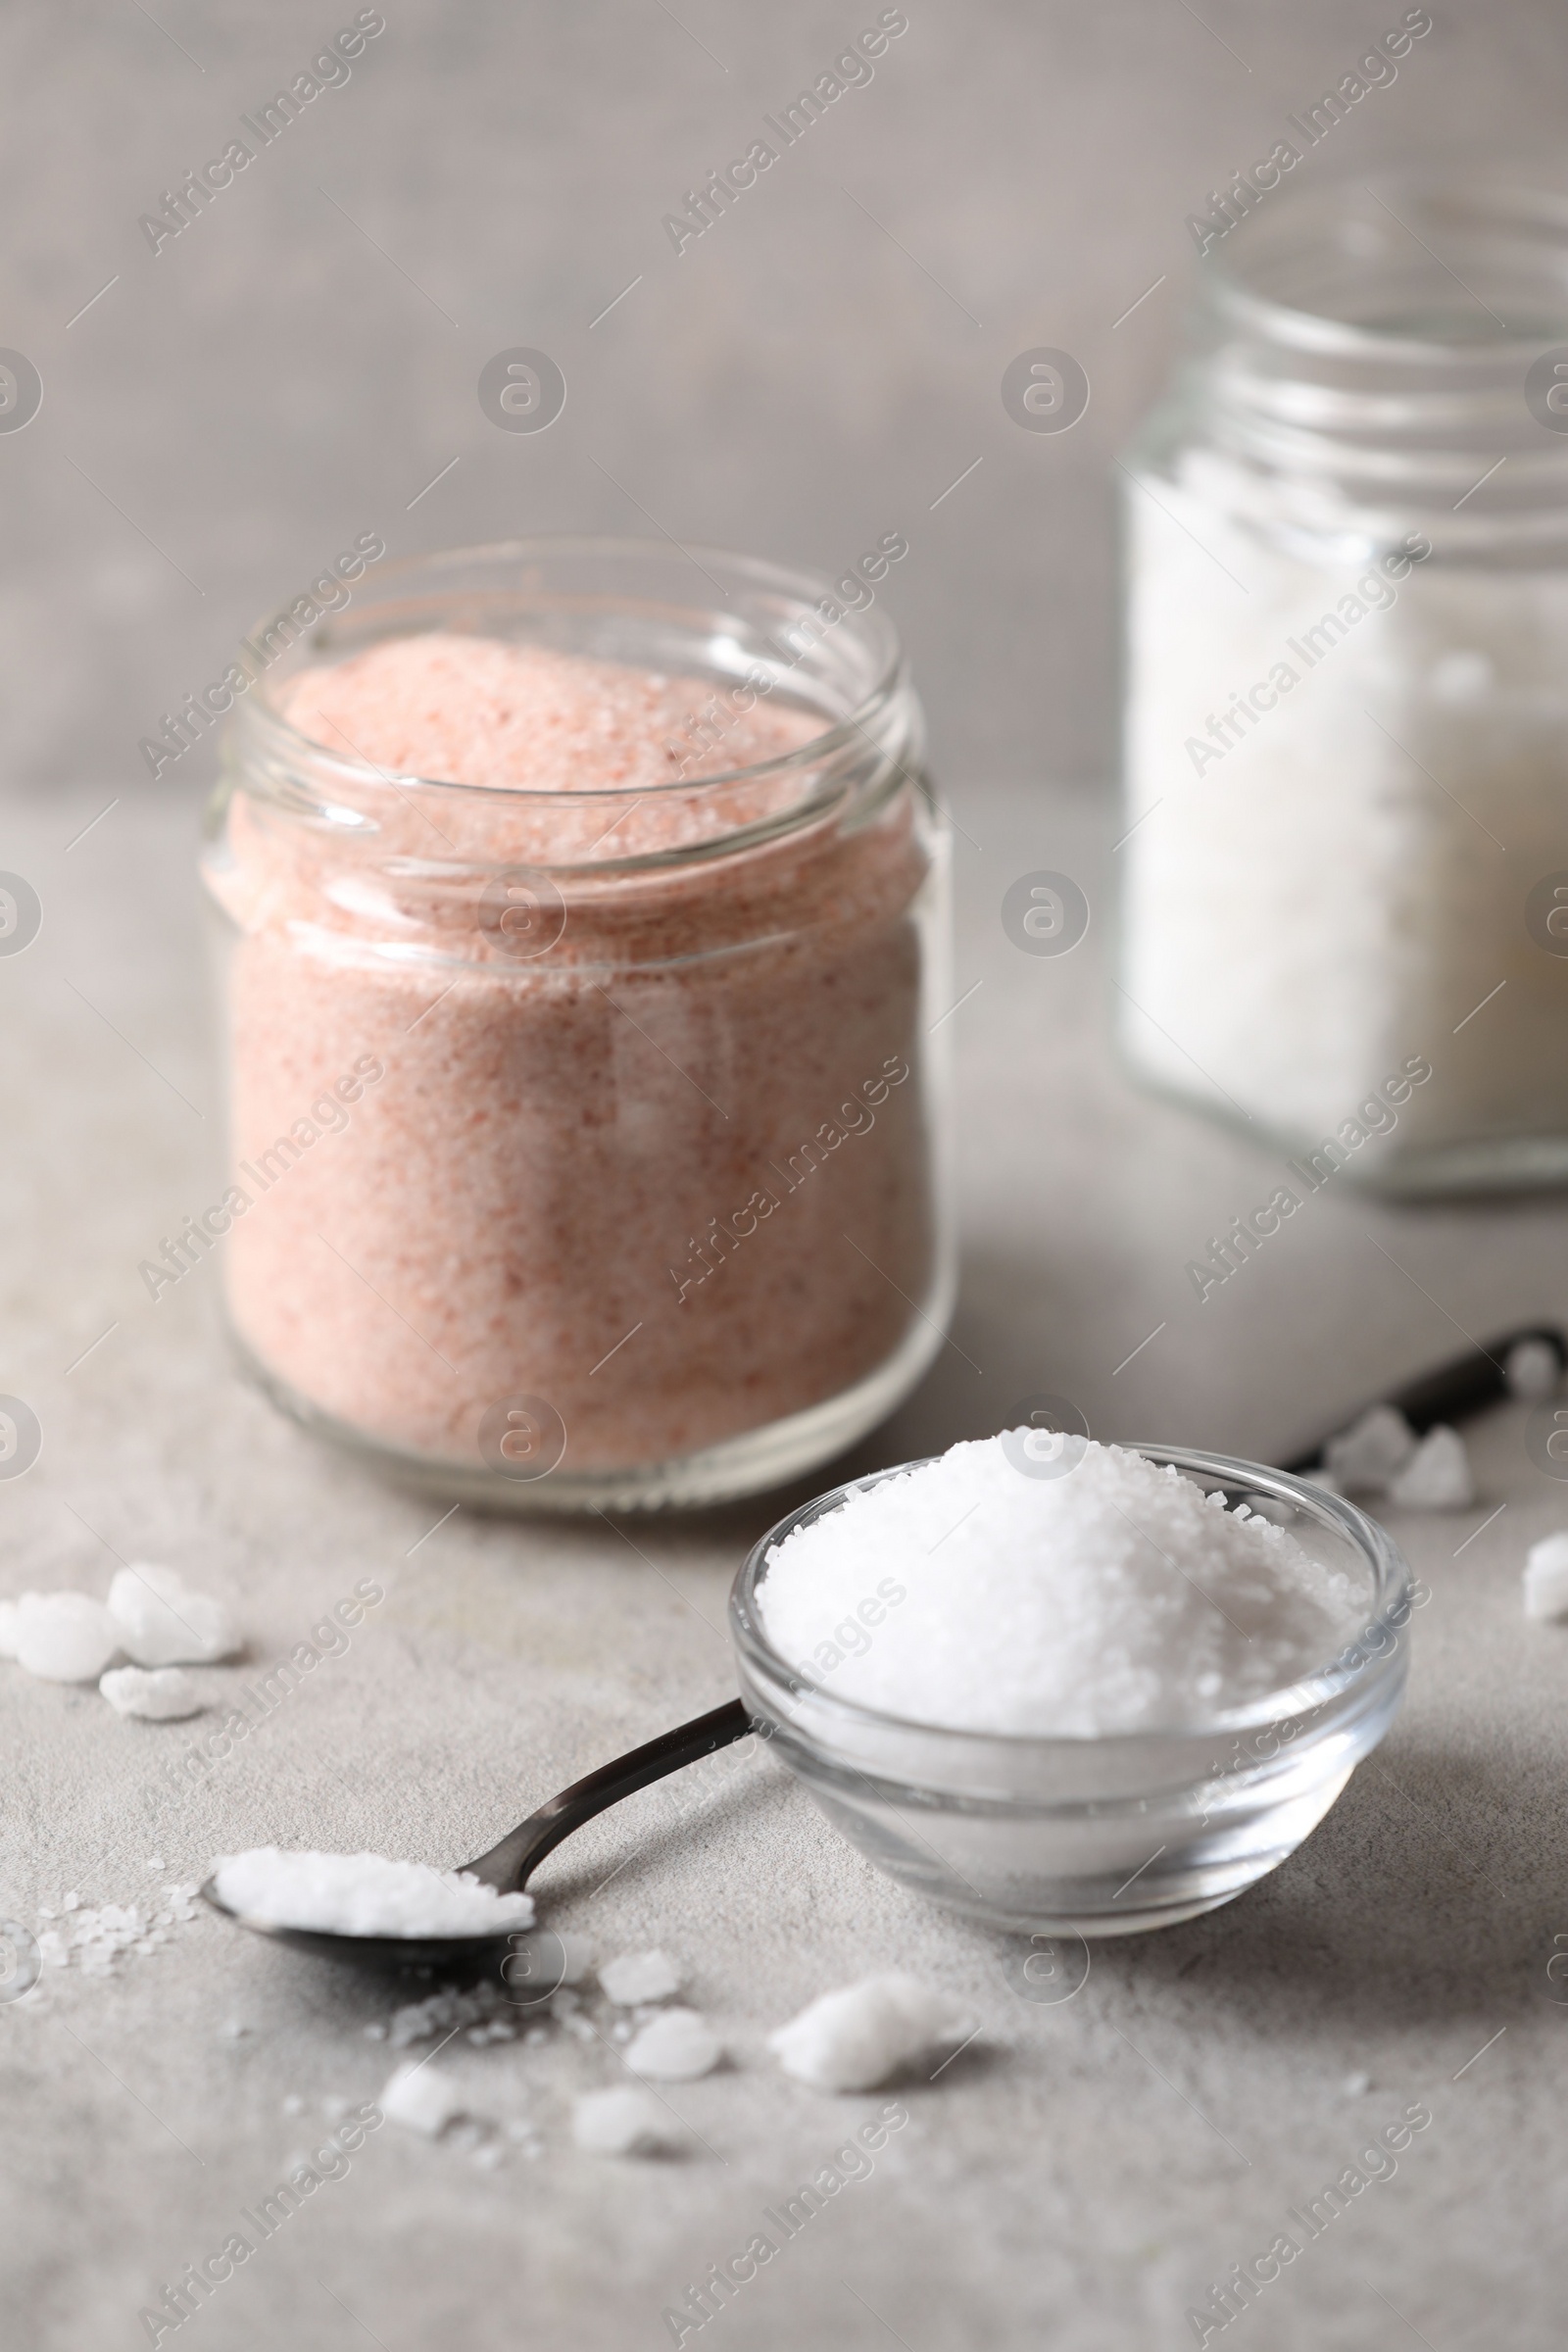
x,y
296,368
1082,2171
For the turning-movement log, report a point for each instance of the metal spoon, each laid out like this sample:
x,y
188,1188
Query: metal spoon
x,y
508,1866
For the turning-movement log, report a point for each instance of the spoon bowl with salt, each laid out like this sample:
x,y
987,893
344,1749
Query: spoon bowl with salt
x,y
365,1908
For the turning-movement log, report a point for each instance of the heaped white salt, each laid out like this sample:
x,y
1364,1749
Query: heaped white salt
x,y
10,1628
158,1694
855,2038
639,1976
1547,1577
1533,1371
163,1622
675,2046
63,1637
421,2098
1437,1477
1364,1458
365,1895
623,2123
1110,1599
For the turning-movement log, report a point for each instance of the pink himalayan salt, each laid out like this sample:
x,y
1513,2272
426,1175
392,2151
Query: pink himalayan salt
x,y
475,711
522,1182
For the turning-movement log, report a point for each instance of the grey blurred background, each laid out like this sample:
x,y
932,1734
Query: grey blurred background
x,y
297,364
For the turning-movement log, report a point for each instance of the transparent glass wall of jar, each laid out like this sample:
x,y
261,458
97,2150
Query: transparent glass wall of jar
x,y
587,1148
1345,876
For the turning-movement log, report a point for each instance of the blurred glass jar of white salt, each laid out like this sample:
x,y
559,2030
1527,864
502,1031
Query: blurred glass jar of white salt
x,y
1344,852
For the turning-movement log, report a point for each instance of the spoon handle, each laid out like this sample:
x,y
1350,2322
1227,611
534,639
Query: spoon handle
x,y
509,1866
1452,1391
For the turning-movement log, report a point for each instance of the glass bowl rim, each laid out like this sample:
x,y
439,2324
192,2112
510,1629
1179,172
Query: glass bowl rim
x,y
1393,1584
299,749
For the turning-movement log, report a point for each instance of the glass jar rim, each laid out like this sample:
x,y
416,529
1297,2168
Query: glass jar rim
x,y
283,741
1237,275
1391,1585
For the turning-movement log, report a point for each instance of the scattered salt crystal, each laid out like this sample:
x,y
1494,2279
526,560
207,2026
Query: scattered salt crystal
x,y
1354,2085
421,2098
677,2048
375,2032
1547,1577
623,2123
974,1594
10,1624
855,2038
489,2155
235,2028
1367,1455
365,1895
534,2035
1532,1370
155,1861
447,2011
334,2108
518,2128
71,1901
622,2031
1438,1477
97,1938
639,1976
63,1637
163,1622
293,2104
160,1695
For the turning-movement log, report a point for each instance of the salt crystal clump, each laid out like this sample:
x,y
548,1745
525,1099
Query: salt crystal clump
x,y
163,1622
623,2123
1365,1456
855,2038
421,2098
1437,1477
63,1637
1532,1370
159,1695
365,1895
639,1976
1547,1577
675,2046
1117,1596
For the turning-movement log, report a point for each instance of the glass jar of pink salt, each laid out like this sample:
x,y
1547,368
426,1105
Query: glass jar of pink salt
x,y
584,952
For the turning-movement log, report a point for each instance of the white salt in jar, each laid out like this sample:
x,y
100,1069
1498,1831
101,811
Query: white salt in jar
x,y
1345,855
584,944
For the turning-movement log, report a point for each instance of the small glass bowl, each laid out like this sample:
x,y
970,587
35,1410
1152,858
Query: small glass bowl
x,y
1112,1834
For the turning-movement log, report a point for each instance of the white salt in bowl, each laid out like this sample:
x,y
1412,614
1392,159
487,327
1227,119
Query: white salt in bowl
x,y
1109,1834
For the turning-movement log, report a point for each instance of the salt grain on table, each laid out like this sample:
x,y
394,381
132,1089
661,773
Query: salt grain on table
x,y
676,2046
63,1637
855,2038
162,1621
623,2123
421,2098
639,1976
1437,1477
157,1694
1547,1577
1363,1459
